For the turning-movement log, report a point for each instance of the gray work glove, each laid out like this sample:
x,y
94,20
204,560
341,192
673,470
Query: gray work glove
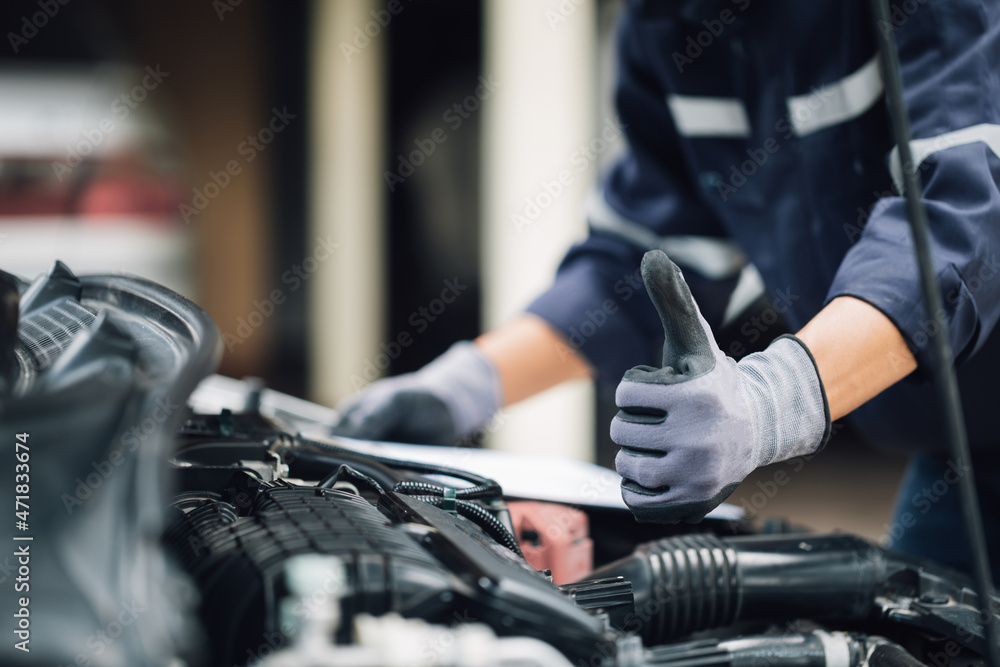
x,y
444,401
692,430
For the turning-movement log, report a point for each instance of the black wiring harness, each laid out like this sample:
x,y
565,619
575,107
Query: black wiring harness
x,y
450,499
479,515
354,475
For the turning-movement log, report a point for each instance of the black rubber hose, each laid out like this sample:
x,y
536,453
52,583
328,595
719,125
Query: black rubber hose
x,y
891,655
691,583
415,466
943,368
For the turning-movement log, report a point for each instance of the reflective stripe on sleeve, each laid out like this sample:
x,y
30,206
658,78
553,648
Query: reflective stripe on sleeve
x,y
713,257
709,116
923,148
837,102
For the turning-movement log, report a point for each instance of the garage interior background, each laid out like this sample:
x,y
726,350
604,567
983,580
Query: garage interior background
x,y
347,187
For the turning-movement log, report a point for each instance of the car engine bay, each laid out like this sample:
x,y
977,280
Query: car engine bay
x,y
174,520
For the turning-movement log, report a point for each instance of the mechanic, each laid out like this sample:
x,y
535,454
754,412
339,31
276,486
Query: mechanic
x,y
772,144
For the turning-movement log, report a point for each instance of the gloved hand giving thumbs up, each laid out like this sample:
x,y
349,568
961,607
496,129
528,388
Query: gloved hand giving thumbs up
x,y
692,430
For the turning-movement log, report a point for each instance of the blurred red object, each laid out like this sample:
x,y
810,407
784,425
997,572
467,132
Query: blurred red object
x,y
554,537
95,190
143,196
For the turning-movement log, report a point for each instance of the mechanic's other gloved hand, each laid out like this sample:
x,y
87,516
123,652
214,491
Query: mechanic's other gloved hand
x,y
692,430
444,401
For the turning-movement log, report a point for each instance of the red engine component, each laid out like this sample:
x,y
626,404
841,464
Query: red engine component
x,y
554,537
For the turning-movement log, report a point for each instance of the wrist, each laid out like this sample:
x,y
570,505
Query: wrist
x,y
788,407
823,398
530,357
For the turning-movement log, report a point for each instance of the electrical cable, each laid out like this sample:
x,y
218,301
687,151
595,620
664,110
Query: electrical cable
x,y
943,368
311,464
482,517
481,491
432,494
347,471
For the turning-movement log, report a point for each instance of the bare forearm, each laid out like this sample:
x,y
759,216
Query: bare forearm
x,y
859,353
530,358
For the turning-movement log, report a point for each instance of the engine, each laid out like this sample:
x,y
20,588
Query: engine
x,y
237,533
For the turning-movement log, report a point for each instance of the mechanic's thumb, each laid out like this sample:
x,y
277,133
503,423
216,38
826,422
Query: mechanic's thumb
x,y
688,344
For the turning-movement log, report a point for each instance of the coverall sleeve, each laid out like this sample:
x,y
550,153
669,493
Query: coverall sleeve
x,y
598,303
950,58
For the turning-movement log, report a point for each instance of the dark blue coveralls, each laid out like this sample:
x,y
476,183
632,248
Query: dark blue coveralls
x,y
757,129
